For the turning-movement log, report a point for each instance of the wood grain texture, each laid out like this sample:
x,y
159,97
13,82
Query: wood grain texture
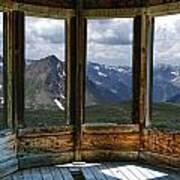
x,y
7,72
44,159
51,3
97,171
108,155
18,67
162,146
8,158
122,142
61,143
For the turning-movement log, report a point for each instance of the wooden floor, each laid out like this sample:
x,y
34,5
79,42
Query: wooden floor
x,y
102,171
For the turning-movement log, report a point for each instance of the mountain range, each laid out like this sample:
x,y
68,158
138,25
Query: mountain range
x,y
45,83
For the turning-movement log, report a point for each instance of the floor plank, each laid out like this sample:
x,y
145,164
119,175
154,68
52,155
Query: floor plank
x,y
88,174
117,173
97,173
100,171
56,173
136,172
66,173
36,174
107,173
126,172
17,176
27,174
46,174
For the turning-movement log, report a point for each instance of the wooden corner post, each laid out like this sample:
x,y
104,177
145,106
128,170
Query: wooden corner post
x,y
14,68
81,43
142,62
7,70
76,39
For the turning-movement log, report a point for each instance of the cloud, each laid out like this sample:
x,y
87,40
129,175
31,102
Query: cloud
x,y
167,40
45,29
44,36
109,40
110,55
111,32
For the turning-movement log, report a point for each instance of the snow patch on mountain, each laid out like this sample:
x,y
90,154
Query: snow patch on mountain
x,y
97,68
59,104
102,74
114,91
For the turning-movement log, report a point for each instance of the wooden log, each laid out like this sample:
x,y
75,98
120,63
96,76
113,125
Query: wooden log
x,y
80,42
8,68
44,159
37,9
18,68
142,58
111,13
14,68
45,131
50,3
109,155
70,69
123,142
101,129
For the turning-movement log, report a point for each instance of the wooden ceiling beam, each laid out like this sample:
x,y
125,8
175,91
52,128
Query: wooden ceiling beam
x,y
36,9
67,4
92,8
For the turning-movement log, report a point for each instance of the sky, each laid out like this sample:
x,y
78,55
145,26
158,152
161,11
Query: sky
x,y
109,41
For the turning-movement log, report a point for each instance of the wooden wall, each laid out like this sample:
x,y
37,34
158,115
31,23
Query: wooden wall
x,y
99,143
56,145
50,3
8,158
44,146
162,147
110,142
88,4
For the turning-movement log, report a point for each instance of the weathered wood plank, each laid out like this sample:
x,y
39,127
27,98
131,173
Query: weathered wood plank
x,y
97,173
141,53
17,176
66,174
46,173
112,13
117,173
71,69
88,174
45,131
127,173
36,175
80,54
18,68
27,174
56,173
7,178
8,167
7,70
109,128
145,172
52,3
164,9
106,172
158,174
136,172
100,171
43,159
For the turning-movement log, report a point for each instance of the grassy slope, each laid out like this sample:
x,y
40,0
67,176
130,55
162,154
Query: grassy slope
x,y
165,115
109,113
44,117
